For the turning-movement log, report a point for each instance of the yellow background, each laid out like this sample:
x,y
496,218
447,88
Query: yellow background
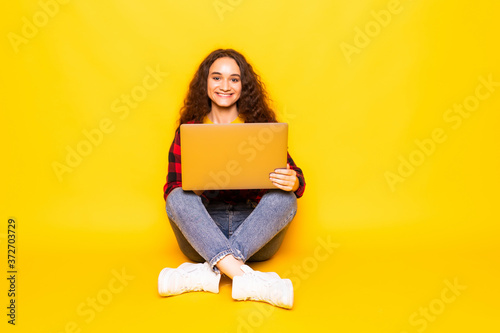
x,y
393,251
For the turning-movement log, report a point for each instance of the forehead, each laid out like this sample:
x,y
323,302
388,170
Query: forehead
x,y
226,65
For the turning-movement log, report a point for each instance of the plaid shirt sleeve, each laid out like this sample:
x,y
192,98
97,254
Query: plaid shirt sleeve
x,y
300,176
174,177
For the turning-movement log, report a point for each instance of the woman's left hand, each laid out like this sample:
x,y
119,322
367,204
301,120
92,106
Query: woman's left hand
x,y
285,179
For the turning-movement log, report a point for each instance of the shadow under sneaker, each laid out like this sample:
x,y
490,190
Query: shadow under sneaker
x,y
188,277
265,287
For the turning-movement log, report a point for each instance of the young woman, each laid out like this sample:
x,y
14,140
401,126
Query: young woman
x,y
224,229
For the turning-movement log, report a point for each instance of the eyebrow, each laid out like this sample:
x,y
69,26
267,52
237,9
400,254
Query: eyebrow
x,y
238,75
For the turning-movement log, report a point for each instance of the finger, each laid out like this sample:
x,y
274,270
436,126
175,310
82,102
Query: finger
x,y
279,177
285,171
282,187
283,181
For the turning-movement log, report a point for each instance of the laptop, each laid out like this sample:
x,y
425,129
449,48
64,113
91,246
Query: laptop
x,y
232,156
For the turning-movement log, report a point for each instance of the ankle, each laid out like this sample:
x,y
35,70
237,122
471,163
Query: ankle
x,y
230,266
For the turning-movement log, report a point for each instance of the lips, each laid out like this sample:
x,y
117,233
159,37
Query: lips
x,y
224,95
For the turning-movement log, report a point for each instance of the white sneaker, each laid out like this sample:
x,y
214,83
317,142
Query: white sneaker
x,y
188,277
266,287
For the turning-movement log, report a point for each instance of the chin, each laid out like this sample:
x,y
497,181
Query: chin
x,y
225,105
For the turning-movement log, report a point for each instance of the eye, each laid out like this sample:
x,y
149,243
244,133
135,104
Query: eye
x,y
216,78
235,80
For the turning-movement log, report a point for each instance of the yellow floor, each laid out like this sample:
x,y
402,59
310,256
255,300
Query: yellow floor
x,y
373,280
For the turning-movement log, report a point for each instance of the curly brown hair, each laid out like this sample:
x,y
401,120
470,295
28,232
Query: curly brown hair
x,y
253,104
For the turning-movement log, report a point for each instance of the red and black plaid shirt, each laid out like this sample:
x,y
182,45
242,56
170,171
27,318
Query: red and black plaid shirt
x,y
174,179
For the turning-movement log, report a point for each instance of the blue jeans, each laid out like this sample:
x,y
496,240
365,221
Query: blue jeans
x,y
247,231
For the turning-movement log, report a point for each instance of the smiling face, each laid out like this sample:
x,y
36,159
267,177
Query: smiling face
x,y
224,83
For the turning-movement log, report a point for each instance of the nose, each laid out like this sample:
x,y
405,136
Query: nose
x,y
224,85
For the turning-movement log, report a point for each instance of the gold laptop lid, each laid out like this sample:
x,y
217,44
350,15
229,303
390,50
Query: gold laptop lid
x,y
232,156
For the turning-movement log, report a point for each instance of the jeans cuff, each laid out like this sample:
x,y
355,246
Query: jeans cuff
x,y
221,255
